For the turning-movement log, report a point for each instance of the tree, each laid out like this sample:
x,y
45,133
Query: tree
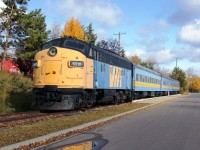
x,y
89,33
122,53
189,77
36,34
55,31
179,75
162,70
10,30
195,85
136,59
150,63
74,29
109,44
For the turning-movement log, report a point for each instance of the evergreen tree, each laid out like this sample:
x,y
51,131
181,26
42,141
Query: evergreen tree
x,y
179,75
99,44
10,30
36,34
122,53
148,65
89,33
74,29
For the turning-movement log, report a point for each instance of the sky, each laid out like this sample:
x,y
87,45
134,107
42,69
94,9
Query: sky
x,y
159,30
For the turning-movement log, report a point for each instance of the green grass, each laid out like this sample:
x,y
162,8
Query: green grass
x,y
25,132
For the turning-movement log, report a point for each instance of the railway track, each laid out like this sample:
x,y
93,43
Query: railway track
x,y
29,117
17,119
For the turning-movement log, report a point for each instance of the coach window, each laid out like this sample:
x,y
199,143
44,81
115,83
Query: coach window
x,y
136,77
143,78
140,77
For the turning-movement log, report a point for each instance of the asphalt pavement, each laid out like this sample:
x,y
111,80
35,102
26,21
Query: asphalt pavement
x,y
172,126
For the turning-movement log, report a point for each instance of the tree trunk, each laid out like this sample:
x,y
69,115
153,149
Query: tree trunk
x,y
7,36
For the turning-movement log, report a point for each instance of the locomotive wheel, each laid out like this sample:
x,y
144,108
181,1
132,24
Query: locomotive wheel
x,y
89,101
116,99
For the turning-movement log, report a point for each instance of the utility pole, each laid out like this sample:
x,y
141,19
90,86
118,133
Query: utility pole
x,y
176,61
176,66
119,34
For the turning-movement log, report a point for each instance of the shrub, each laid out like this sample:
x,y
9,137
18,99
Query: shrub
x,y
15,92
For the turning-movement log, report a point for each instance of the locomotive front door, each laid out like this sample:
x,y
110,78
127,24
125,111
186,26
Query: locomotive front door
x,y
52,72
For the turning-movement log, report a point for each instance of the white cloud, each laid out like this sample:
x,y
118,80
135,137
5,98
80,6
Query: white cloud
x,y
156,27
189,3
101,34
2,5
161,57
193,54
100,11
186,11
190,33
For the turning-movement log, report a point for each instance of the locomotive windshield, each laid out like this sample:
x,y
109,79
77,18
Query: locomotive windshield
x,y
70,43
49,44
74,44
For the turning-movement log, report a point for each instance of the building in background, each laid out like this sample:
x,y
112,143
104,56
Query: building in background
x,y
10,65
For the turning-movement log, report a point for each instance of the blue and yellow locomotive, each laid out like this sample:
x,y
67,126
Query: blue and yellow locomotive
x,y
69,73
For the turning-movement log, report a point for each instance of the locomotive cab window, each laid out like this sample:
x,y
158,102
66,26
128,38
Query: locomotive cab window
x,y
90,52
49,44
74,45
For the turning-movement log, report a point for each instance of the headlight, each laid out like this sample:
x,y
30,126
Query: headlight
x,y
52,51
34,64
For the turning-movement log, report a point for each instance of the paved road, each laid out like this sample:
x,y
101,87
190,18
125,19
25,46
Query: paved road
x,y
172,126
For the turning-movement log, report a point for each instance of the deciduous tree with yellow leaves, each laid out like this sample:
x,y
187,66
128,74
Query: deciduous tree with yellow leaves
x,y
74,29
195,85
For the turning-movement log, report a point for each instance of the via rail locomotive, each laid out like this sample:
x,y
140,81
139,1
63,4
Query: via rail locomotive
x,y
69,73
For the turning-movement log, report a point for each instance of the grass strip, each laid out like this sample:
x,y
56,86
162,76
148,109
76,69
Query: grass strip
x,y
25,132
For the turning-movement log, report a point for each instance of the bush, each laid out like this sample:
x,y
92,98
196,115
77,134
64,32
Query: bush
x,y
15,92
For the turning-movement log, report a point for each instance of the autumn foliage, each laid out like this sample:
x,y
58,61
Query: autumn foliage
x,y
195,85
73,29
136,59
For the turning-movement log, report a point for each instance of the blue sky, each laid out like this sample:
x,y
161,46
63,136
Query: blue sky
x,y
158,30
